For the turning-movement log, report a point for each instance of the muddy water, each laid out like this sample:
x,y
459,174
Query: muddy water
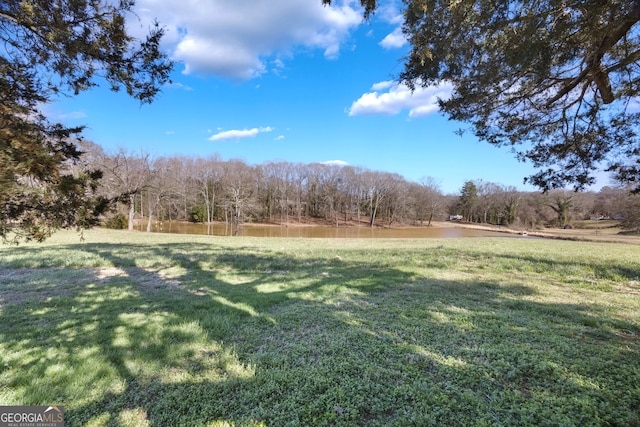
x,y
319,232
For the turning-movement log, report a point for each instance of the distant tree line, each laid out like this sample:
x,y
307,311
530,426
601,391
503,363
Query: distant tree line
x,y
490,203
210,189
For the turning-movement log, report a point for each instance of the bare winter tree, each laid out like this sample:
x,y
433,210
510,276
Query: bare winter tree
x,y
239,192
125,176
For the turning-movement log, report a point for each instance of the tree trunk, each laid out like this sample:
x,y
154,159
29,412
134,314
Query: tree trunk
x,y
236,223
131,211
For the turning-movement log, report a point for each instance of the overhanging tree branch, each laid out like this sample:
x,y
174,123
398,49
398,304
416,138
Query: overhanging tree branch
x,y
75,40
550,75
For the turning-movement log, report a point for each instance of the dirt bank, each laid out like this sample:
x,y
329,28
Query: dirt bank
x,y
604,234
591,234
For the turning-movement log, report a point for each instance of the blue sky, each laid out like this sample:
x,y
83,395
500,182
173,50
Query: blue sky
x,y
271,80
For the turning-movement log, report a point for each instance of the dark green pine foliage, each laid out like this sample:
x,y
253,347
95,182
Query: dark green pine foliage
x,y
555,80
53,48
467,201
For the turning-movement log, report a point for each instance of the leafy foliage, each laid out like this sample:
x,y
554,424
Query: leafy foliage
x,y
198,213
555,80
116,222
52,48
467,199
37,193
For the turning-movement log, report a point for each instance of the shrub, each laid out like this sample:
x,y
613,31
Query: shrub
x,y
198,213
117,222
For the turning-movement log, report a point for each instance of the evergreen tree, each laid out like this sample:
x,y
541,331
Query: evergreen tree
x,y
467,200
557,77
52,48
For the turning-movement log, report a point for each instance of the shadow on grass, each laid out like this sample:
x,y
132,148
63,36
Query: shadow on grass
x,y
190,334
600,269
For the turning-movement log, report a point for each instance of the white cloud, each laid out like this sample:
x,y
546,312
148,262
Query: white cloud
x,y
389,12
423,101
279,138
238,134
383,85
74,115
335,163
394,40
176,85
634,105
237,39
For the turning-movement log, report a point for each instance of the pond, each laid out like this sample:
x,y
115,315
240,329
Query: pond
x,y
258,230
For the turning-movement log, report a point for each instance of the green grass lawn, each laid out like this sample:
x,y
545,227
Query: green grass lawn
x,y
167,330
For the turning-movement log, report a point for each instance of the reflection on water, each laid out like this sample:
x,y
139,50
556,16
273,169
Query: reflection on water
x,y
318,232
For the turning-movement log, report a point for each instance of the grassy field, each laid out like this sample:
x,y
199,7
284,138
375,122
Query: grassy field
x,y
166,330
